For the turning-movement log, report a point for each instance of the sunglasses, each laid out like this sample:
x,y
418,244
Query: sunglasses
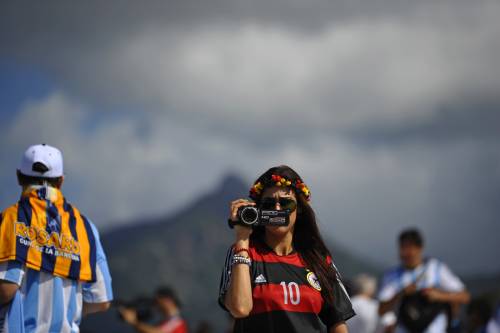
x,y
285,204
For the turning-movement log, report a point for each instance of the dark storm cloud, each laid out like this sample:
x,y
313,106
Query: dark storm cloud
x,y
59,22
476,119
94,49
35,30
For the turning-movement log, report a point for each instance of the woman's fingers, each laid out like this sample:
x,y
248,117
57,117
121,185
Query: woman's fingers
x,y
236,204
239,201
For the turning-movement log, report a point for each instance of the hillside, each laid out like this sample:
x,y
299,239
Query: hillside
x,y
185,250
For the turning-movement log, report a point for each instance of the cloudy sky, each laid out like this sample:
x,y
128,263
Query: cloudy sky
x,y
390,110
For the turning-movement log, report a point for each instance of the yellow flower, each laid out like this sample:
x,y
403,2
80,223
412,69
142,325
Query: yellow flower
x,y
288,183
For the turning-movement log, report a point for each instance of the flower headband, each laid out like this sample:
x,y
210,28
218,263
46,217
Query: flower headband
x,y
277,180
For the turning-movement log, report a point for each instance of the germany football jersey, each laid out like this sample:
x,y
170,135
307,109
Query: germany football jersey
x,y
286,295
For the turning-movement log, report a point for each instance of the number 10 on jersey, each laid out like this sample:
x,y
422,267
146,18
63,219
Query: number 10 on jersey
x,y
291,292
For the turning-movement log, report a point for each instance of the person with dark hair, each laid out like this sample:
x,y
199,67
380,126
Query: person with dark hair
x,y
412,237
53,269
169,304
422,292
281,278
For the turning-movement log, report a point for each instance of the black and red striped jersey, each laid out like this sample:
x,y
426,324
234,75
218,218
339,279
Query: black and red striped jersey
x,y
286,295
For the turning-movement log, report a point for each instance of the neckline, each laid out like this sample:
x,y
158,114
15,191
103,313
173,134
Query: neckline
x,y
270,250
421,266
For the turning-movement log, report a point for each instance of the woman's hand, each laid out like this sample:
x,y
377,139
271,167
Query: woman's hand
x,y
242,232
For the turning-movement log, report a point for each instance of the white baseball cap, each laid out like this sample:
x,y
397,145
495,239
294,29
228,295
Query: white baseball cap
x,y
42,161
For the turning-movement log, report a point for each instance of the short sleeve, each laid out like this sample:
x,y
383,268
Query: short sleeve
x,y
99,291
341,309
390,285
12,271
448,281
225,277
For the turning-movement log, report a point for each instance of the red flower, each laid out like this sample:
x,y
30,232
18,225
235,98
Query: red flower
x,y
275,178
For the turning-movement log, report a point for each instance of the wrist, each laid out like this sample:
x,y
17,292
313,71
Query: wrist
x,y
241,260
242,243
241,249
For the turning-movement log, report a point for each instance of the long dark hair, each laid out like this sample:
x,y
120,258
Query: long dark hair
x,y
307,240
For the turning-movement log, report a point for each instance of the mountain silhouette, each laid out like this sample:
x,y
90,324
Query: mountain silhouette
x,y
186,251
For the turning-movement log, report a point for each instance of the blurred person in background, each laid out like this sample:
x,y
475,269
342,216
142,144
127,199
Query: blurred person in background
x,y
387,323
365,306
52,266
494,323
479,312
204,327
421,291
169,305
281,278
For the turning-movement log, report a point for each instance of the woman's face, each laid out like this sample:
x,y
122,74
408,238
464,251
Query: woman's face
x,y
280,198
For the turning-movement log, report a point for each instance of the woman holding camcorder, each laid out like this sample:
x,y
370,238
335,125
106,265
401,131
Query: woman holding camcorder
x,y
279,275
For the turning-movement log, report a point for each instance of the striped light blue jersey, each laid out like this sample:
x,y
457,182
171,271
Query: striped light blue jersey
x,y
46,303
433,273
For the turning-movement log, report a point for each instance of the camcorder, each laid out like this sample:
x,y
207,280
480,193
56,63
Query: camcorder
x,y
145,308
252,216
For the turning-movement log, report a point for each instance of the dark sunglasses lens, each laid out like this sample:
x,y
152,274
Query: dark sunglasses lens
x,y
268,203
289,204
285,203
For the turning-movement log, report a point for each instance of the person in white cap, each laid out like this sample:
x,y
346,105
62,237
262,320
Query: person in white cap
x,y
53,268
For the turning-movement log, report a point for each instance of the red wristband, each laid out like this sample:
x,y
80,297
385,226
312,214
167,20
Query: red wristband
x,y
241,249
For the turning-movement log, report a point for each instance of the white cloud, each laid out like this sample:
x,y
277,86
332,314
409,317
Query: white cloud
x,y
106,165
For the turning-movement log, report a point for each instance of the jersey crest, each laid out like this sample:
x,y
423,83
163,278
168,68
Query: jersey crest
x,y
313,281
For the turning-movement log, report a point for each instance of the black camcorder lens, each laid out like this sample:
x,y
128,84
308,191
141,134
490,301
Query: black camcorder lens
x,y
249,215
